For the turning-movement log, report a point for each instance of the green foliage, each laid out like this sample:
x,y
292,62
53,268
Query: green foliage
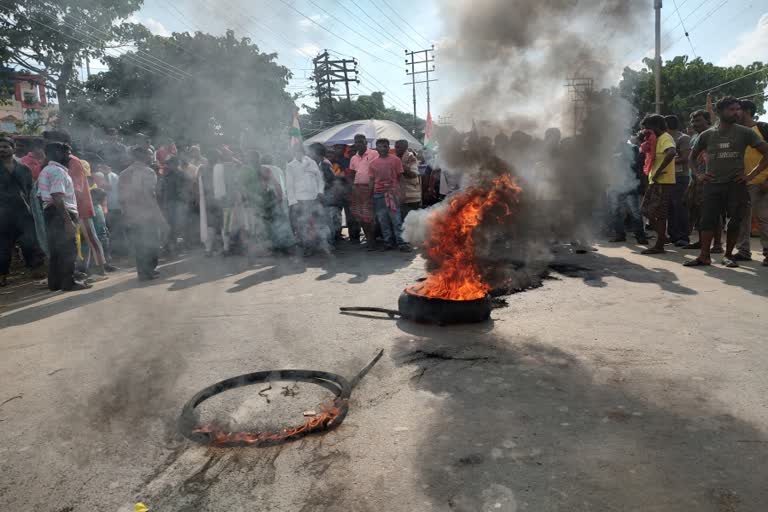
x,y
51,38
682,79
217,89
364,107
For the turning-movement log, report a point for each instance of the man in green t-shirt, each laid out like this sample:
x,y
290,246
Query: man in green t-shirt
x,y
725,182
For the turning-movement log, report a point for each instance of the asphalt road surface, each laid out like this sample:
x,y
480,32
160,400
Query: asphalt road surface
x,y
629,384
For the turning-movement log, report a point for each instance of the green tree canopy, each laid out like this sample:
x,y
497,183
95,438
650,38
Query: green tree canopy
x,y
363,107
209,89
52,38
682,83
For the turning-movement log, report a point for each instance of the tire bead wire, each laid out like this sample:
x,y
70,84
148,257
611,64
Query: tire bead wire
x,y
336,384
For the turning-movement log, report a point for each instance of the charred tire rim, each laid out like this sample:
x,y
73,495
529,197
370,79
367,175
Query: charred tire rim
x,y
444,312
336,384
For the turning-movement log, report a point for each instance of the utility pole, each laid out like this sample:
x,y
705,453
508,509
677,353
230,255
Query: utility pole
x,y
329,72
581,91
657,64
87,66
428,59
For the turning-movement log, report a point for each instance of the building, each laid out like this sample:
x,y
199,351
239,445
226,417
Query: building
x,y
23,101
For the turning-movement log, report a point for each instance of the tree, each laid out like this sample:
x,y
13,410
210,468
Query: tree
x,y
364,107
51,38
682,83
211,89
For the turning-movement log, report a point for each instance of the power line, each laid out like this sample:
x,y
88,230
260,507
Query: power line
x,y
383,30
411,27
151,68
350,28
394,23
392,95
144,57
677,10
764,68
284,2
674,2
693,11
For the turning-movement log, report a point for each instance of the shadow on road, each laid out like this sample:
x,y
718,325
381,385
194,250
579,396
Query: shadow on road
x,y
524,426
594,267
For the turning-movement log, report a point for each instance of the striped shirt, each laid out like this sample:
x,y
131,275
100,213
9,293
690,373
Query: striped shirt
x,y
54,179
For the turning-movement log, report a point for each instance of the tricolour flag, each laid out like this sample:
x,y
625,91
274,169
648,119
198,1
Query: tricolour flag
x,y
295,130
428,142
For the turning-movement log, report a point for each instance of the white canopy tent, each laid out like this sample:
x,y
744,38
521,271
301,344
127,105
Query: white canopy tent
x,y
372,129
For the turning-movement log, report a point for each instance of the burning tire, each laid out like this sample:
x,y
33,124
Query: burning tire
x,y
331,415
443,312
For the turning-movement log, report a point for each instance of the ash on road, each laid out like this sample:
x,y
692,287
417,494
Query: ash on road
x,y
632,384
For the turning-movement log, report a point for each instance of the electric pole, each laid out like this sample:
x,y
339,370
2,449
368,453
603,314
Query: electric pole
x,y
581,89
428,59
329,72
657,64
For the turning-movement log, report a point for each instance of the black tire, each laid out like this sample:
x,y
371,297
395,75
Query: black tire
x,y
444,312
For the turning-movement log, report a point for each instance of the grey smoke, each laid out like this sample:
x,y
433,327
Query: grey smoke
x,y
512,60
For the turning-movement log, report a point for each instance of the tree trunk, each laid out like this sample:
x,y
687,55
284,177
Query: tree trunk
x,y
61,89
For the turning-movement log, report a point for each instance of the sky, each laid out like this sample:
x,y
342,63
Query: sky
x,y
377,33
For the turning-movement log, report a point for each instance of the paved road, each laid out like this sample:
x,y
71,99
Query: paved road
x,y
632,385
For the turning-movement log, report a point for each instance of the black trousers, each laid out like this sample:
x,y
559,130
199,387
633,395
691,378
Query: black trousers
x,y
62,250
145,239
18,226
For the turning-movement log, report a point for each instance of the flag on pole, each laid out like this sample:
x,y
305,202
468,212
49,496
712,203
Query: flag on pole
x,y
428,142
295,130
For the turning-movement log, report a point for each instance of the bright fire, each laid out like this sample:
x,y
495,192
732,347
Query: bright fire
x,y
450,245
323,421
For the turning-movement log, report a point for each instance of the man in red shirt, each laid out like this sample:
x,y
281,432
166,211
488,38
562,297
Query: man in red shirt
x,y
35,159
385,174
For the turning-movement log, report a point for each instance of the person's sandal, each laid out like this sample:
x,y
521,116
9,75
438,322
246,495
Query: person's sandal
x,y
653,250
730,263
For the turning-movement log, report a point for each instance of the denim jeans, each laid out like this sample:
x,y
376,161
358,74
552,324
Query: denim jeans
x,y
391,227
628,204
679,226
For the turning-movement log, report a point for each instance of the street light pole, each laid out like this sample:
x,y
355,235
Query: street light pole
x,y
657,62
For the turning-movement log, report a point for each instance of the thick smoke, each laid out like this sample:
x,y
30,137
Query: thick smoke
x,y
513,60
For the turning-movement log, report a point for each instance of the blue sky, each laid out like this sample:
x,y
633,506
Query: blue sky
x,y
721,31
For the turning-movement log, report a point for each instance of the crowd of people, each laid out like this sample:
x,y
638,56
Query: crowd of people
x,y
707,181
80,208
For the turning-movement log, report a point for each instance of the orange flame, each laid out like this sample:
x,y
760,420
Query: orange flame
x,y
323,421
451,245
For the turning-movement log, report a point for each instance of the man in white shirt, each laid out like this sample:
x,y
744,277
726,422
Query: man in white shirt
x,y
304,187
57,192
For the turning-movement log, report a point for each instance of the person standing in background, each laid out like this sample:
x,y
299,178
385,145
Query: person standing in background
x,y
679,226
16,221
386,172
84,205
174,194
757,188
304,187
333,193
700,122
410,181
57,192
661,180
340,164
362,202
35,159
725,182
143,218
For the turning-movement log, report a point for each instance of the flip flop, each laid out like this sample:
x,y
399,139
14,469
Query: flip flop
x,y
730,263
653,250
696,263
